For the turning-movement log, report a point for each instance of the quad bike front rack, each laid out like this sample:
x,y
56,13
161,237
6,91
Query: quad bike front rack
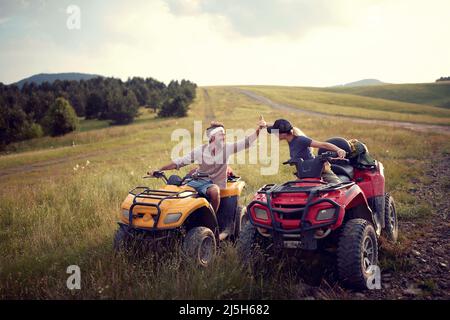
x,y
160,195
270,189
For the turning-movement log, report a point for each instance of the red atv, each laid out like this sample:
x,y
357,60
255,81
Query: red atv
x,y
309,213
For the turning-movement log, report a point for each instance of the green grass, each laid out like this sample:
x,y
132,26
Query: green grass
x,y
434,94
343,104
52,216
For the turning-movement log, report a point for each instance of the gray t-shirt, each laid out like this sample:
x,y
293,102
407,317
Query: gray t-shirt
x,y
300,147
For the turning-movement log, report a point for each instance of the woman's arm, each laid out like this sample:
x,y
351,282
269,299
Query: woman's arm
x,y
328,146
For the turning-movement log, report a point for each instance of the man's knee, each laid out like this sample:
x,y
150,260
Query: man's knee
x,y
213,192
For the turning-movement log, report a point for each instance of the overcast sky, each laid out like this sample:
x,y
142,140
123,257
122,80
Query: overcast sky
x,y
211,42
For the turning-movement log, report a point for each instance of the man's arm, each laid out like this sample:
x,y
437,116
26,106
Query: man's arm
x,y
248,141
180,162
169,166
328,146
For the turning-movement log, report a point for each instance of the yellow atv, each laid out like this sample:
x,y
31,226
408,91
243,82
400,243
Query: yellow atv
x,y
152,217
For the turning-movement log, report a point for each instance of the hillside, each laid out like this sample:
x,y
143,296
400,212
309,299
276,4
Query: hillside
x,y
352,105
51,77
435,94
361,83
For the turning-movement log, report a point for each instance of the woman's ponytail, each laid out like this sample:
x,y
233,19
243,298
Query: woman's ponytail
x,y
297,132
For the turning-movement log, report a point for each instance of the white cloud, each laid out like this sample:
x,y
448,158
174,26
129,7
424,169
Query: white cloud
x,y
395,41
4,20
263,17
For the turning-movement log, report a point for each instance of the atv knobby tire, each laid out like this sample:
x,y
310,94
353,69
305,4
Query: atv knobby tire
x,y
122,241
240,220
390,231
357,251
199,246
252,248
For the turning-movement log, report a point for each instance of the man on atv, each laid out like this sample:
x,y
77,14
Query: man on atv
x,y
300,146
212,158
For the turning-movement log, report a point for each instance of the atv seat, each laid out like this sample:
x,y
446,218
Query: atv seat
x,y
343,171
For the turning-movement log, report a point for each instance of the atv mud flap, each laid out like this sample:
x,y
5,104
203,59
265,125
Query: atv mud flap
x,y
377,204
226,212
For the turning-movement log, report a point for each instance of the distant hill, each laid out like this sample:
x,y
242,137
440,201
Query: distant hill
x,y
51,77
361,83
434,94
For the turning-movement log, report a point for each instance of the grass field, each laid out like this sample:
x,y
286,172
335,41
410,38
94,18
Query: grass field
x,y
343,104
434,94
54,213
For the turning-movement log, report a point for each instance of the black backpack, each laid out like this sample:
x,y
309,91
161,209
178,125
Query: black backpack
x,y
359,155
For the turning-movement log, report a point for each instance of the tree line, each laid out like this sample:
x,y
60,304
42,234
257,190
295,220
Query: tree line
x,y
54,108
443,79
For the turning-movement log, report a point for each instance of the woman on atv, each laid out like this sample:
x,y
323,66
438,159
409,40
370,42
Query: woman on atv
x,y
213,158
300,146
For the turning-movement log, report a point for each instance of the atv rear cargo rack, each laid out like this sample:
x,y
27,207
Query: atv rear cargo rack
x,y
160,195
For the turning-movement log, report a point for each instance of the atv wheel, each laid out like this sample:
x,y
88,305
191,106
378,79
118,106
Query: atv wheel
x,y
123,242
357,252
240,220
200,245
252,249
390,231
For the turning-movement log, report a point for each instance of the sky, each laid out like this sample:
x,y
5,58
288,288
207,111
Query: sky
x,y
228,42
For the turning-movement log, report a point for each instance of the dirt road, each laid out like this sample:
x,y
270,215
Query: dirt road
x,y
398,124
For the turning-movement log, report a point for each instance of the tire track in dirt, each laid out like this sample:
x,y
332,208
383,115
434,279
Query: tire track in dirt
x,y
26,168
46,163
398,124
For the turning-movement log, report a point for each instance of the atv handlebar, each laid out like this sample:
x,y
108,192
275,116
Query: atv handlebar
x,y
160,175
290,162
156,174
331,155
326,156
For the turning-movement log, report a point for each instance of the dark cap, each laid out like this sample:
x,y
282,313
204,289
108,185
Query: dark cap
x,y
282,125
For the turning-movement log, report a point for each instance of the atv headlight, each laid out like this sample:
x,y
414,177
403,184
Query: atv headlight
x,y
380,165
172,217
325,214
260,213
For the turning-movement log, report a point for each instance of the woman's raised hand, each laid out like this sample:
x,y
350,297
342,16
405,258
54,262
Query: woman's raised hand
x,y
262,123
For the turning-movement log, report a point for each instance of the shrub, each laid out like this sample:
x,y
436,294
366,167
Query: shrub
x,y
122,107
174,107
60,118
33,131
16,126
94,106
